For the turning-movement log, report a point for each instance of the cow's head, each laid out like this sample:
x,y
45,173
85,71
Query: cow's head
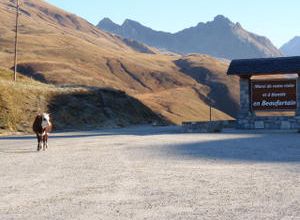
x,y
45,120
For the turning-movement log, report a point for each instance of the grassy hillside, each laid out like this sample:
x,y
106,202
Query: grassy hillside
x,y
224,90
59,48
71,107
181,104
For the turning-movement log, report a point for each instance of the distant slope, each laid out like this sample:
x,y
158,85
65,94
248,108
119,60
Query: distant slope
x,y
219,38
291,48
137,46
180,104
211,72
59,48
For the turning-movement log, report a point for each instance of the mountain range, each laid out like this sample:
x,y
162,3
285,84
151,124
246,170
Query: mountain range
x,y
61,49
219,38
291,48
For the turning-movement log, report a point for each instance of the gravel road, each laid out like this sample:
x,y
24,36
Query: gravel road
x,y
151,173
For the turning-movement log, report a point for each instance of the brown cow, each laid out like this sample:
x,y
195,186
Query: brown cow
x,y
42,127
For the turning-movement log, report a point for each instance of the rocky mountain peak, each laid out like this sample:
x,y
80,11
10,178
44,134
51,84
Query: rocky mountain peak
x,y
108,24
106,21
221,19
129,22
292,48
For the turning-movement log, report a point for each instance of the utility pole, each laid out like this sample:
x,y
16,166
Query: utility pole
x,y
210,111
16,41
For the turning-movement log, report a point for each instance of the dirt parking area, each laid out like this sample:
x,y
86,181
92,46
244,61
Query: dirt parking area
x,y
151,173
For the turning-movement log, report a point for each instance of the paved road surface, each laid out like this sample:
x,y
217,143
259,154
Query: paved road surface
x,y
151,173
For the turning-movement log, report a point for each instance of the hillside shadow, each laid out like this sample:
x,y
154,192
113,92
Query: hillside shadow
x,y
219,95
29,71
94,108
263,148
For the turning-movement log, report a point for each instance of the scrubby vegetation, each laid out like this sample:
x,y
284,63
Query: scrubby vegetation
x,y
71,107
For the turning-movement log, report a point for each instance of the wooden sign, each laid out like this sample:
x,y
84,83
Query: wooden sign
x,y
274,95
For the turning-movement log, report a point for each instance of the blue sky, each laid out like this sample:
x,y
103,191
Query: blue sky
x,y
279,20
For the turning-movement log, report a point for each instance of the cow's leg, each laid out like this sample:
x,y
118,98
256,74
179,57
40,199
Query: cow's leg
x,y
45,142
39,139
41,142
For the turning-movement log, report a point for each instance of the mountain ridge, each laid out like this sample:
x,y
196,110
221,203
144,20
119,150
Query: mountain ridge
x,y
292,47
219,38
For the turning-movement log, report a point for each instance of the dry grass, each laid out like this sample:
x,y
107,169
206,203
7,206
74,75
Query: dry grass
x,y
224,90
60,48
21,101
177,110
71,107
